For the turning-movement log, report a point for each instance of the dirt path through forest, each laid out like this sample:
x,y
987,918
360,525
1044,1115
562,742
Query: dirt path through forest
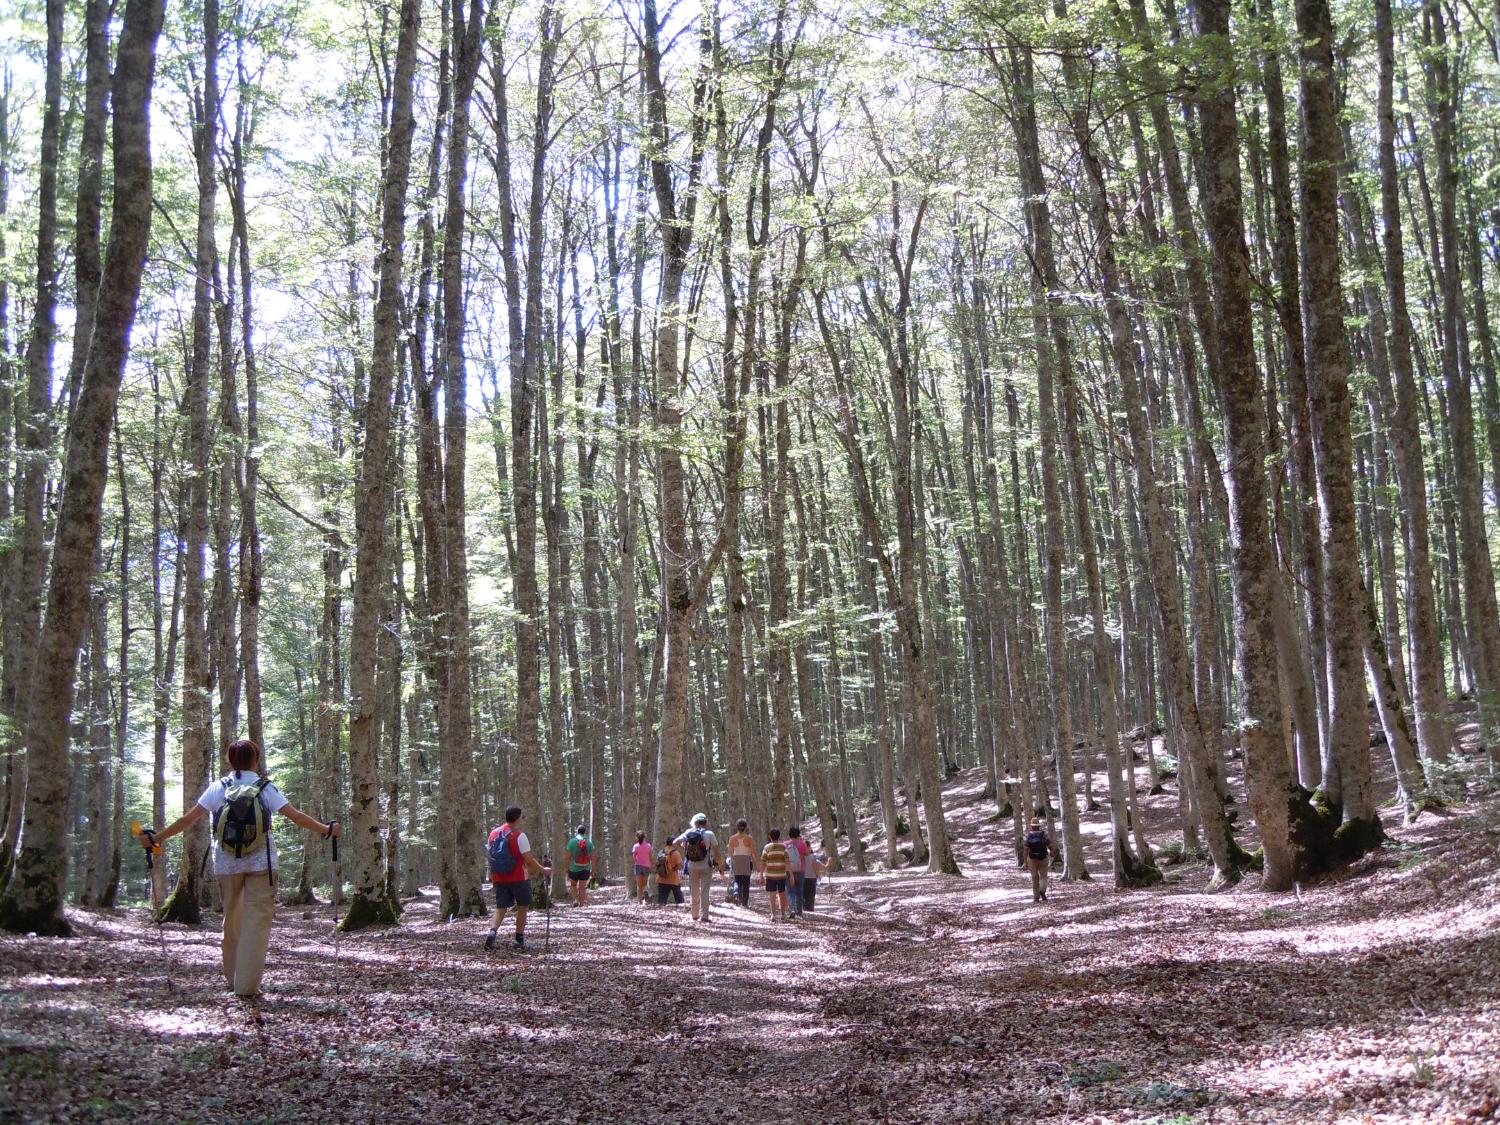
x,y
1372,997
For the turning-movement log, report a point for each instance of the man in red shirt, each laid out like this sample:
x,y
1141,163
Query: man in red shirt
x,y
511,869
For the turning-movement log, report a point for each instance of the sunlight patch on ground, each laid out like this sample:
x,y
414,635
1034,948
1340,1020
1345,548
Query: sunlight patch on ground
x,y
181,1021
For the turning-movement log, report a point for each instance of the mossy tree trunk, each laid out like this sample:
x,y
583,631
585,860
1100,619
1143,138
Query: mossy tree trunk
x,y
33,897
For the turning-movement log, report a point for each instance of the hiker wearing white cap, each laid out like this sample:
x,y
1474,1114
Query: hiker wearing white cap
x,y
704,856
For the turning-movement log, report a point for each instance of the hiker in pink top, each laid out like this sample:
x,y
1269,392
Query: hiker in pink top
x,y
640,862
797,852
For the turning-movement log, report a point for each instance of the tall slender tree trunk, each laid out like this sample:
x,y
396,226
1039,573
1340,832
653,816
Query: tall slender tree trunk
x,y
1048,327
1274,798
461,893
1429,686
27,565
1328,393
198,757
1480,612
677,211
371,904
33,896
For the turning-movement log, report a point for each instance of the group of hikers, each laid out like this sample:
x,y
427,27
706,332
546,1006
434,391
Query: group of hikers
x,y
789,869
242,802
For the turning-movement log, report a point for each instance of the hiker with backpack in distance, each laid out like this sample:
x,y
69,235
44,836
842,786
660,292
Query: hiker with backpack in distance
x,y
704,856
1039,852
580,865
816,864
773,864
641,863
741,860
511,869
797,852
669,865
241,804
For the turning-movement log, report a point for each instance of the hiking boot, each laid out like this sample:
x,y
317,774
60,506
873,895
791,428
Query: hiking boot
x,y
521,942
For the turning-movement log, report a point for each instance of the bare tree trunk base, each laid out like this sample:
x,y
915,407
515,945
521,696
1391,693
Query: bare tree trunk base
x,y
1132,873
945,864
1354,838
370,910
41,915
182,906
1321,840
474,906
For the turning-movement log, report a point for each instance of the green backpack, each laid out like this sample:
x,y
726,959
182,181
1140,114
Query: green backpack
x,y
242,820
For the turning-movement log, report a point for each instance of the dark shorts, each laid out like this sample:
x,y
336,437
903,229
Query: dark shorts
x,y
578,876
642,870
512,894
775,886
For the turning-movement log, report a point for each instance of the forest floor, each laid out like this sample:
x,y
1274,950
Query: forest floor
x,y
1370,996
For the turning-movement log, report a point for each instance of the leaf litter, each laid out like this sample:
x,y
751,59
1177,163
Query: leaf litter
x,y
1371,996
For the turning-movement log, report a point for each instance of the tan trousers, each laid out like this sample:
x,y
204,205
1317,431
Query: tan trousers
x,y
249,907
701,879
1038,877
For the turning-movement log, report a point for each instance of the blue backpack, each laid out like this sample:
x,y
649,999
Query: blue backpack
x,y
503,857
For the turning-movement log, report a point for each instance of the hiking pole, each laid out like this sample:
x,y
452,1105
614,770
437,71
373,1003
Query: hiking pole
x,y
547,928
338,894
152,851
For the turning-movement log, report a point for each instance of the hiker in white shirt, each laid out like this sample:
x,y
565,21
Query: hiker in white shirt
x,y
244,864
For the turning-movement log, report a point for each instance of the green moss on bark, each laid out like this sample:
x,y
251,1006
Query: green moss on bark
x,y
181,907
32,902
1238,856
1321,841
1354,838
1133,871
369,910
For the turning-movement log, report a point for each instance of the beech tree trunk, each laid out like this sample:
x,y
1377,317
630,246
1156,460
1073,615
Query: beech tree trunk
x,y
33,897
198,756
1274,798
371,904
1328,393
677,211
27,566
459,815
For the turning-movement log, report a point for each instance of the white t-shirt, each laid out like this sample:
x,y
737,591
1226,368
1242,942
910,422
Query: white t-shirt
x,y
253,860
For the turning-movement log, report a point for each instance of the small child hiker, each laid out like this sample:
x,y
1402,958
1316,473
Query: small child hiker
x,y
773,865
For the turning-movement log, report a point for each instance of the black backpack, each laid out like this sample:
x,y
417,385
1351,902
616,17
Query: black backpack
x,y
696,845
1037,845
242,820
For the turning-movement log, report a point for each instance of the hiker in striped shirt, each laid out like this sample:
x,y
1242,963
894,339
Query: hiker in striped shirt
x,y
773,866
